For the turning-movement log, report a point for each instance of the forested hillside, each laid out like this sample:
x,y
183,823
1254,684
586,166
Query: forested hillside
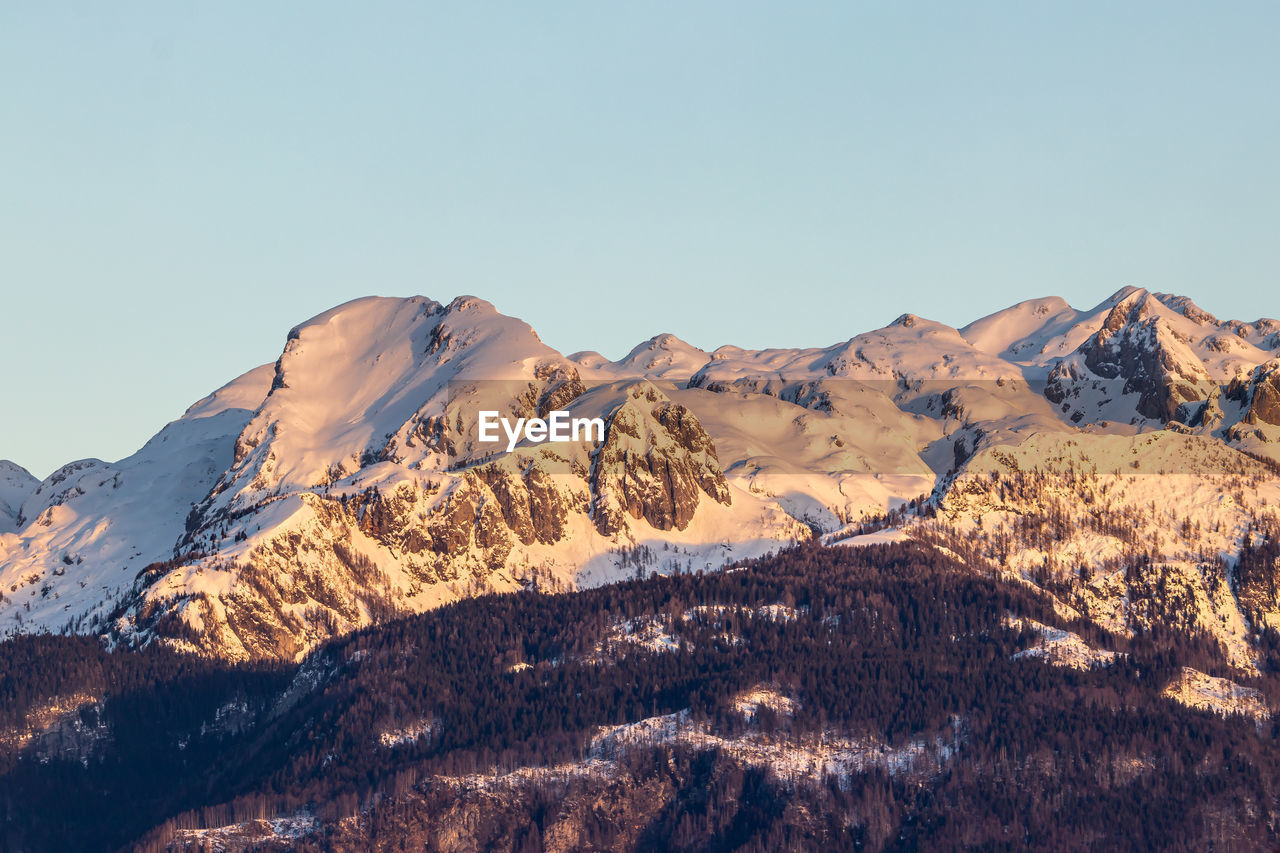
x,y
875,698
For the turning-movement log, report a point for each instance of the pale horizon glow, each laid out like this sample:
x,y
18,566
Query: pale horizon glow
x,y
185,184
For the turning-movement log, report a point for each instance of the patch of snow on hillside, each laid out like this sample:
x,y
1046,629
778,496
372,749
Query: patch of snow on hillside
x,y
644,632
808,758
410,733
250,833
780,612
716,613
1197,690
1061,648
522,776
887,536
749,702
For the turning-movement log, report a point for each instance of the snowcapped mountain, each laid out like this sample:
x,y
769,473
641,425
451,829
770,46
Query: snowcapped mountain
x,y
349,481
16,483
657,358
89,528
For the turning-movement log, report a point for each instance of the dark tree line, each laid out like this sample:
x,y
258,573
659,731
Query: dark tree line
x,y
893,643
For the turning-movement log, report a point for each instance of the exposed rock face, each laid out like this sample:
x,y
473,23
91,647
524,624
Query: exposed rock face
x,y
1209,416
1266,399
655,464
1184,306
1259,393
1136,352
530,504
309,582
315,577
1151,361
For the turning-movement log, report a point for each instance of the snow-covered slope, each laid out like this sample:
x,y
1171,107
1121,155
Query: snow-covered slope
x,y
1039,332
347,482
16,483
1128,531
90,527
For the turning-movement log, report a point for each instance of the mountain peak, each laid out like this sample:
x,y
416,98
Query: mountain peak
x,y
1125,293
8,467
664,342
1184,306
662,355
472,304
1023,330
16,483
366,309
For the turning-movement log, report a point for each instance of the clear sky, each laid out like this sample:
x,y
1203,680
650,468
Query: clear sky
x,y
183,182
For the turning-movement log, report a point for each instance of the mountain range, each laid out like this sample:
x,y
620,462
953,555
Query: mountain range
x,y
345,485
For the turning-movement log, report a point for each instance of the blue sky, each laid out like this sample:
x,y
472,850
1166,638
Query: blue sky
x,y
184,182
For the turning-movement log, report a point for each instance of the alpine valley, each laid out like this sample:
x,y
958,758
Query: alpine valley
x,y
925,588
